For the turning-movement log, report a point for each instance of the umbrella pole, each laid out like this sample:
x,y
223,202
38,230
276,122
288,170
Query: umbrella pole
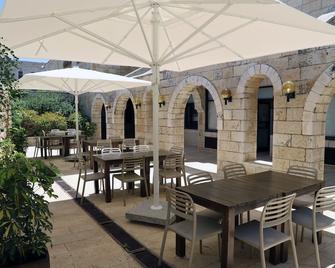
x,y
155,95
77,124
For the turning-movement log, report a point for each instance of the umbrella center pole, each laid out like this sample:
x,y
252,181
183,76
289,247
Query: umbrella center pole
x,y
155,95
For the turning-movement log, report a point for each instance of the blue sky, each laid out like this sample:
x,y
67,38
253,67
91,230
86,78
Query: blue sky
x,y
1,4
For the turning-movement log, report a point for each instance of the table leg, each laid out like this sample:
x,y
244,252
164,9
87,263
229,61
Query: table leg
x,y
279,254
96,183
45,150
66,144
228,238
108,197
91,156
180,242
146,175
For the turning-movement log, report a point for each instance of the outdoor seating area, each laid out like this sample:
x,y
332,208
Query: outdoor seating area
x,y
167,133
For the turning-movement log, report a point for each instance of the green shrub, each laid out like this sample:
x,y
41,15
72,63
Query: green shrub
x,y
85,125
24,214
19,138
50,121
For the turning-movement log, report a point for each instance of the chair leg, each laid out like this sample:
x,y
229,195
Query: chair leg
x,y
200,246
77,188
294,250
261,251
296,233
248,215
124,194
219,244
241,218
191,254
316,246
146,188
82,195
103,186
302,234
112,186
162,247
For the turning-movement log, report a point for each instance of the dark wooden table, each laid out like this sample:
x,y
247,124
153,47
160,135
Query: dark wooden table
x,y
232,197
88,145
108,160
65,140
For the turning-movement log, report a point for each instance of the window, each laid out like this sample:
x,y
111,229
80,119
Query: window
x,y
191,115
211,118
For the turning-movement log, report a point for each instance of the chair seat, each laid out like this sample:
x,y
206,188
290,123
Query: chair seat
x,y
249,233
304,217
169,173
128,177
205,228
303,201
208,213
93,176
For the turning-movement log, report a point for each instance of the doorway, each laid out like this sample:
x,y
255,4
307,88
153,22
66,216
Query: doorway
x,y
103,123
129,120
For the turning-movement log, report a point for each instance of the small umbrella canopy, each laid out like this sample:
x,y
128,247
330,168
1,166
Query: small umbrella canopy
x,y
78,81
170,34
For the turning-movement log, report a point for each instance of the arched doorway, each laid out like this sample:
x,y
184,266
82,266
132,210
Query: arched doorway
x,y
129,120
103,123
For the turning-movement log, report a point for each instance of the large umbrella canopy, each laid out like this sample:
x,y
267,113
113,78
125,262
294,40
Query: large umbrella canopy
x,y
172,34
78,81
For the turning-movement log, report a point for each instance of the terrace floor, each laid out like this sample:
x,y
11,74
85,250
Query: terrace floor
x,y
79,241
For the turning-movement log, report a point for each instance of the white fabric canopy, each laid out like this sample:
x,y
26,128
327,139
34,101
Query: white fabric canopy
x,y
192,33
170,34
78,81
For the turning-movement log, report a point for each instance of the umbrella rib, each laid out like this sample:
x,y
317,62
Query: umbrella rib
x,y
210,38
126,35
207,22
139,21
206,42
115,46
63,30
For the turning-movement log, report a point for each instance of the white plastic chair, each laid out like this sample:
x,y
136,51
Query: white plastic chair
x,y
128,144
233,171
262,236
200,178
193,228
313,219
141,148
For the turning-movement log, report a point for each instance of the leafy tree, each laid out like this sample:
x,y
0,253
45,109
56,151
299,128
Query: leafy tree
x,y
8,84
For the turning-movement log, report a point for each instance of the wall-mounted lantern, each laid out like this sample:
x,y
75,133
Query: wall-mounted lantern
x,y
289,90
108,106
161,101
138,103
226,95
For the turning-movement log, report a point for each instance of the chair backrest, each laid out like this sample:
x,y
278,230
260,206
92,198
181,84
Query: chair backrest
x,y
199,178
141,148
131,164
173,161
82,165
177,150
306,172
324,199
55,141
128,143
37,141
103,144
110,150
277,211
180,204
235,170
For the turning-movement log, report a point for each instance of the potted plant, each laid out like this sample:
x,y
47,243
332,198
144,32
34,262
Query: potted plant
x,y
24,213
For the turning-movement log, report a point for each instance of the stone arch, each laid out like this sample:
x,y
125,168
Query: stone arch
x,y
118,108
176,108
317,103
185,87
243,121
96,107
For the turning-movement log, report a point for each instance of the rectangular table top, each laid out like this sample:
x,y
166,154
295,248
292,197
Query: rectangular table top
x,y
249,191
123,155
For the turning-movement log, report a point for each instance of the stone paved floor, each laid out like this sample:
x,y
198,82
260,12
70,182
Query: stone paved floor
x,y
79,242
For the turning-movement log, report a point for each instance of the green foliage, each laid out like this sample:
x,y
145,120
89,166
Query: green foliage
x,y
49,121
85,125
24,213
19,138
43,102
8,83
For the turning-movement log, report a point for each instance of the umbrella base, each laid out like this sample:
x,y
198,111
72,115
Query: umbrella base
x,y
143,213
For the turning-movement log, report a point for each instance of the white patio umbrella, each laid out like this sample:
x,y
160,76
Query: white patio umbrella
x,y
168,34
78,81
